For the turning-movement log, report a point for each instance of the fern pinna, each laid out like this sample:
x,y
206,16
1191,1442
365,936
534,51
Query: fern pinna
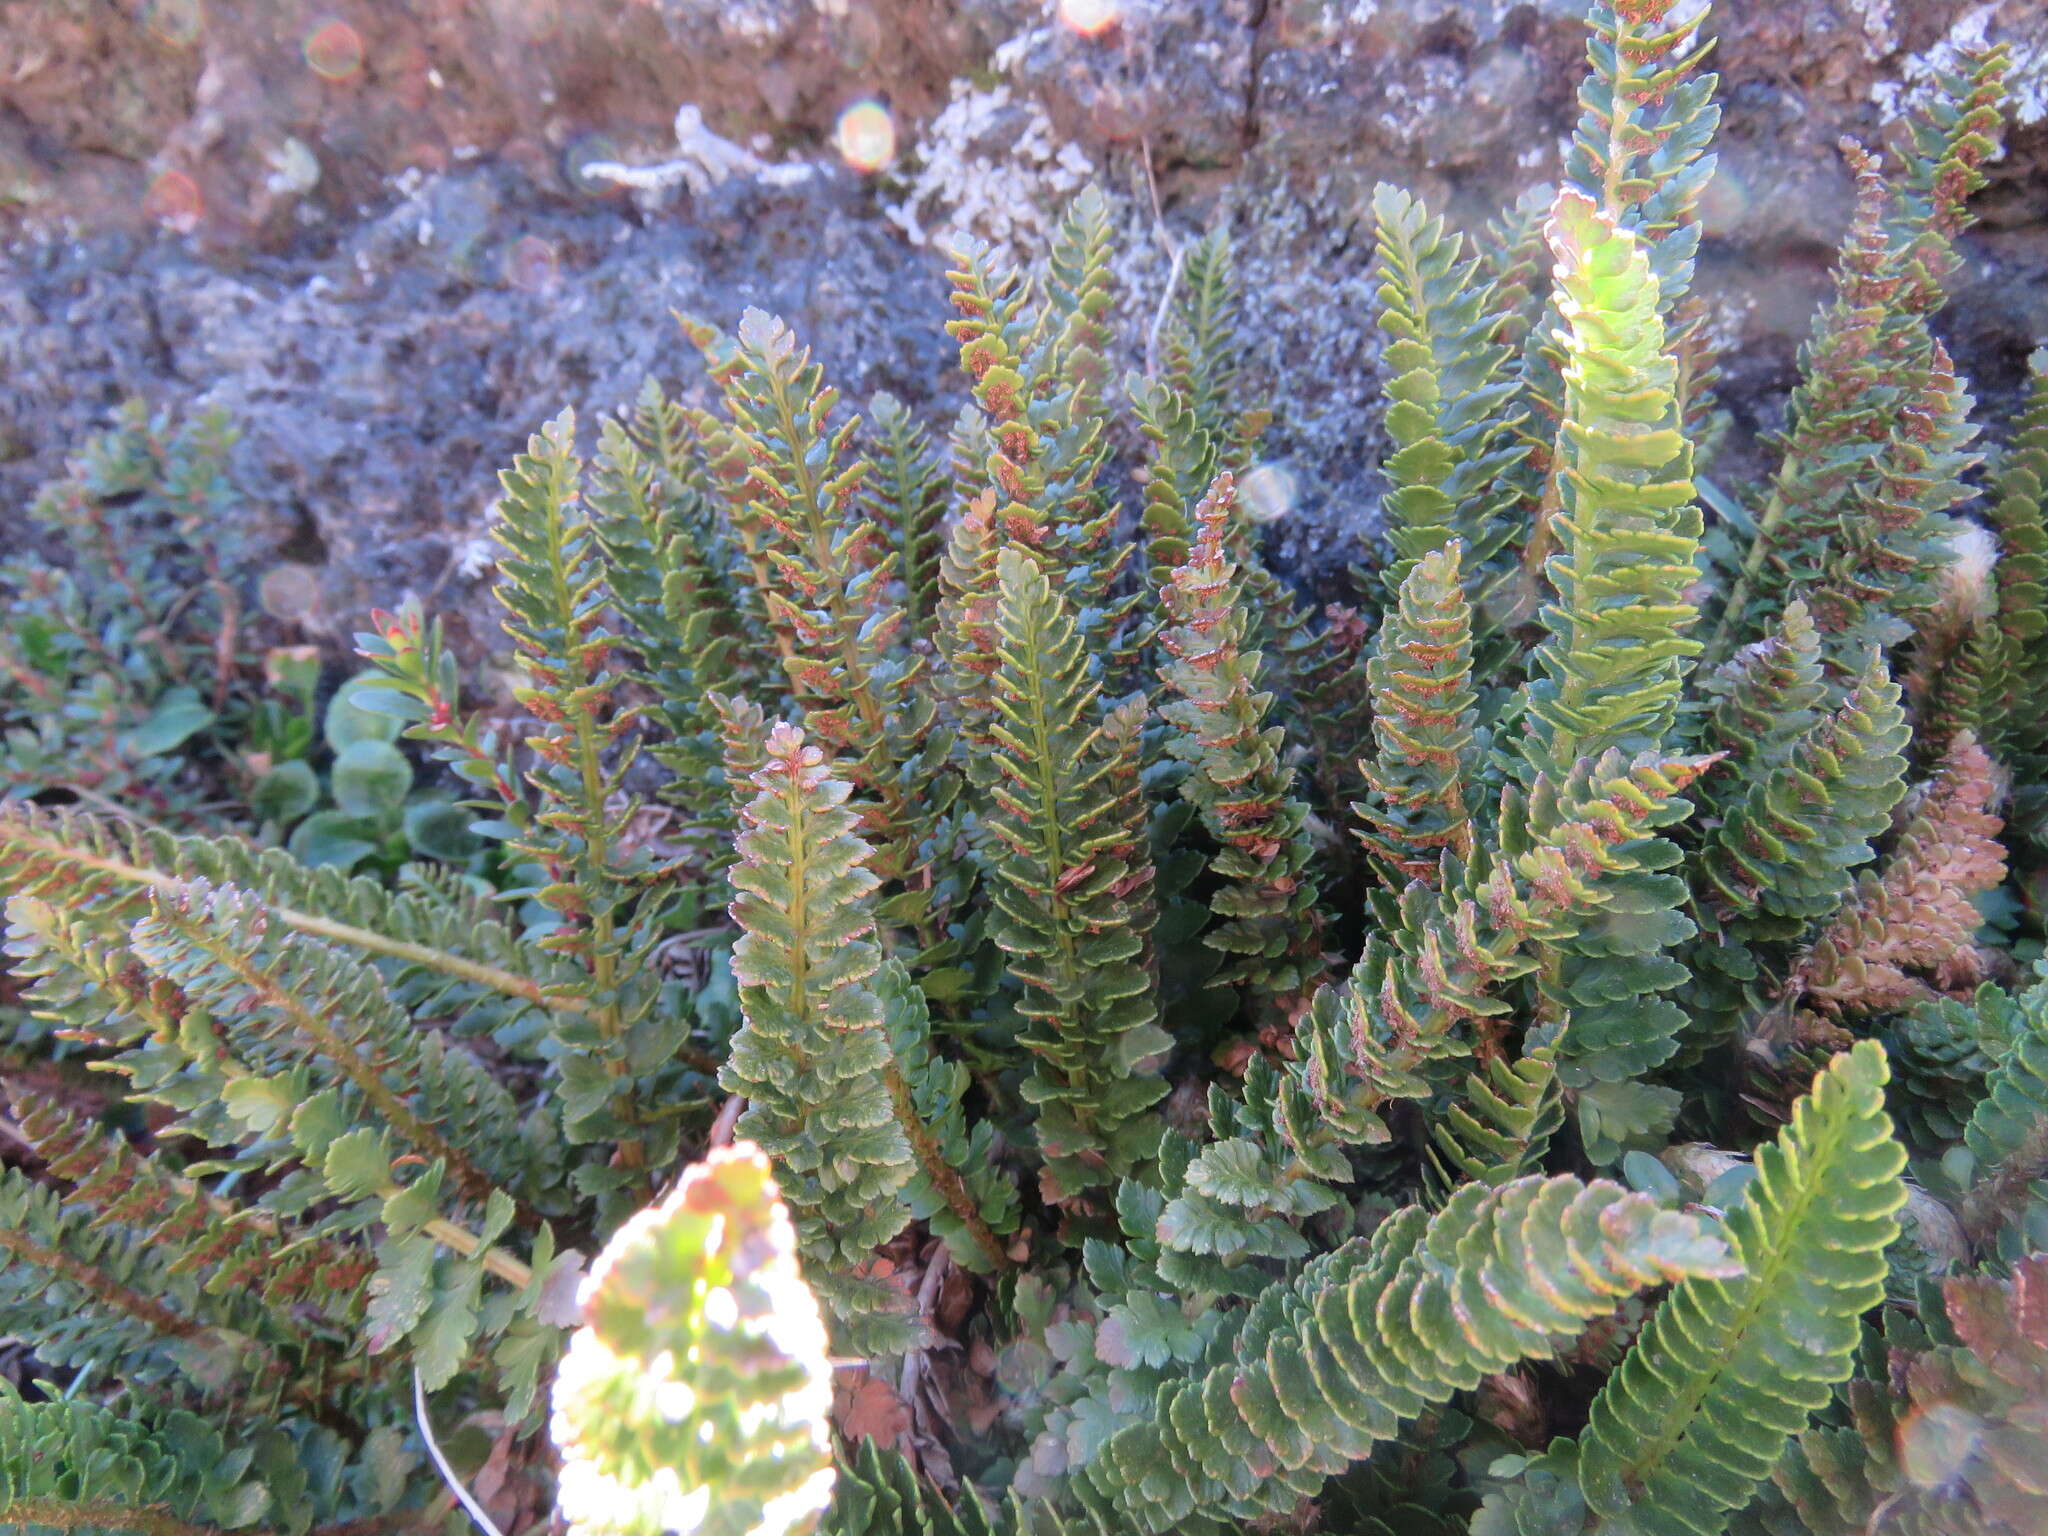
x,y
1546,1044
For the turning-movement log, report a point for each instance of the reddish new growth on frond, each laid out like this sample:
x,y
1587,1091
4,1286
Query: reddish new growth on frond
x,y
1909,932
1236,777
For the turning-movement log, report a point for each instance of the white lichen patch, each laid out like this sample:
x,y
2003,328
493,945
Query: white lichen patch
x,y
990,165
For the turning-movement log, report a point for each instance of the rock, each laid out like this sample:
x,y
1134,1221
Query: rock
x,y
365,231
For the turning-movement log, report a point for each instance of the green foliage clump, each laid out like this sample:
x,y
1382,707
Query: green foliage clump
x,y
1535,1048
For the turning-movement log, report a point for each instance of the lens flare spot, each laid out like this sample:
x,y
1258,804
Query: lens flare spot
x,y
334,51
174,201
1090,18
531,264
177,22
866,136
1268,492
1936,1443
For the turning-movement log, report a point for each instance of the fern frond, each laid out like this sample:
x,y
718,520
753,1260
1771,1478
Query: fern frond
x,y
1789,847
830,598
443,957
906,492
1065,874
1326,1365
2007,1133
1917,914
813,1055
1640,149
283,1002
1425,766
1182,465
698,1391
1450,400
1204,352
76,1467
1735,1363
1501,1127
1610,667
878,1493
2017,507
959,1189
651,513
1081,299
1236,779
175,1219
1389,1031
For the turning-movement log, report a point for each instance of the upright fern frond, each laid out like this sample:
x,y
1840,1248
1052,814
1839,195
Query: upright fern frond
x,y
1236,778
1610,668
1205,350
1043,456
1450,408
1735,1363
1325,1366
1503,1124
2007,1133
905,492
1916,916
830,599
651,511
1878,413
1425,767
1063,864
1791,845
1081,297
1640,150
813,1056
551,583
2017,507
1182,465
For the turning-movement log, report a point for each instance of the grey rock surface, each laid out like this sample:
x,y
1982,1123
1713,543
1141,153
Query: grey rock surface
x,y
389,264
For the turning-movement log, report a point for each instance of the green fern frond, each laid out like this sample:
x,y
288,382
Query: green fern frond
x,y
960,1190
651,512
1326,1365
878,1493
76,1467
1236,779
906,492
1181,467
1610,667
1500,1128
1424,770
2007,1135
1062,864
1205,350
1640,149
1732,1365
1391,1029
1764,699
1791,845
1450,399
283,1003
1081,299
2017,507
831,600
812,1058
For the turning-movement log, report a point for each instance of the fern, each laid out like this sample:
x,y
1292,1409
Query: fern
x,y
1266,902
1370,1334
1066,874
1425,769
1450,411
1733,1363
